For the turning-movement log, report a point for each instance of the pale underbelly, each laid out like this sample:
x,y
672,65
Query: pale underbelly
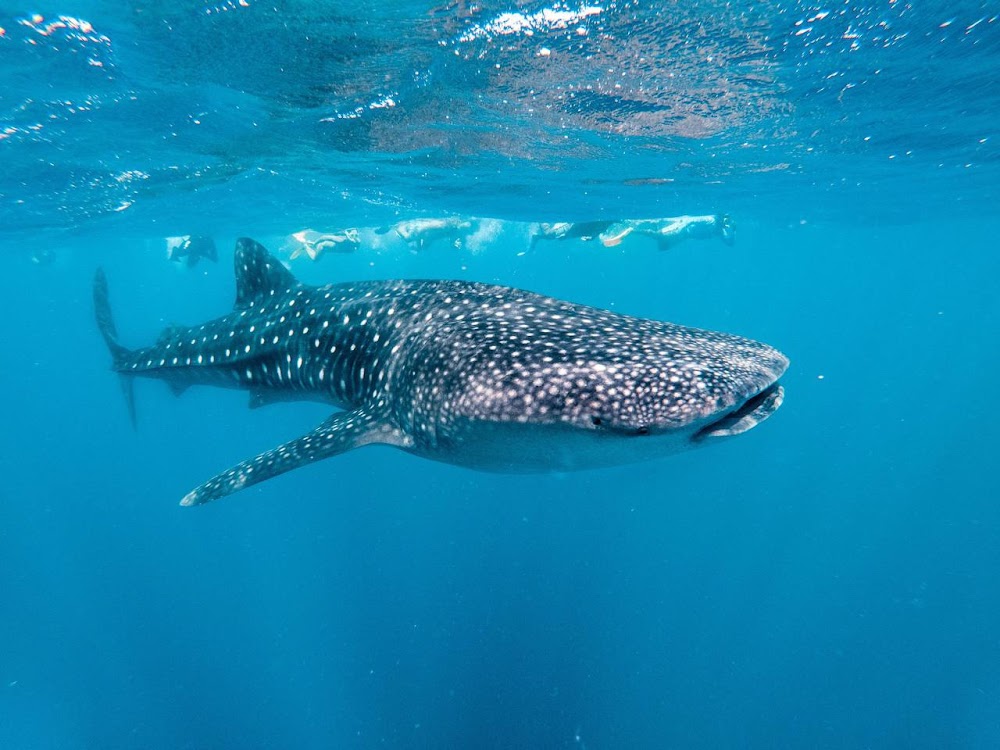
x,y
528,449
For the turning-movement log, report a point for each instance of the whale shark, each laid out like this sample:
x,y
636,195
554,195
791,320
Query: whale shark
x,y
482,376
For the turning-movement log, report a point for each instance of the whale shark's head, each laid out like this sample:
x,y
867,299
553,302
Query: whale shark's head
x,y
635,394
723,385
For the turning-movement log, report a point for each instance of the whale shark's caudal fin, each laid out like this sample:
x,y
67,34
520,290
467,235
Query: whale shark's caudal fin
x,y
119,354
340,433
258,273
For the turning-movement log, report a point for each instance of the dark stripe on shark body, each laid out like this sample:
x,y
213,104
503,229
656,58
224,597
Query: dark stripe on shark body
x,y
483,376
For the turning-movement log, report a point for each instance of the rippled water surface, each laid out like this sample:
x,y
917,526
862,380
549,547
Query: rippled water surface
x,y
142,113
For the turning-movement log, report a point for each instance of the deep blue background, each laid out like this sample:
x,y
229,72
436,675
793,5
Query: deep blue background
x,y
828,580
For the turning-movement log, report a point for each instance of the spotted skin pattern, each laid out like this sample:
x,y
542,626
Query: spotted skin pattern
x,y
482,376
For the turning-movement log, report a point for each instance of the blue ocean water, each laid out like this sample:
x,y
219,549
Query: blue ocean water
x,y
827,580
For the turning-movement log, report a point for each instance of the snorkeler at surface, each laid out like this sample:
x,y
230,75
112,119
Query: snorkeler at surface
x,y
190,249
419,233
565,230
315,244
669,231
43,256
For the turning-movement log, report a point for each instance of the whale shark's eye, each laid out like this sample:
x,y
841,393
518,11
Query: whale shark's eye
x,y
596,421
642,431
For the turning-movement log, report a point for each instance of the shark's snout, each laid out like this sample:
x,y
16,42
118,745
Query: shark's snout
x,y
753,411
756,397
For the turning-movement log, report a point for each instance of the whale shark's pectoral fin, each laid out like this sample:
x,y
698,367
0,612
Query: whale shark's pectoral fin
x,y
342,432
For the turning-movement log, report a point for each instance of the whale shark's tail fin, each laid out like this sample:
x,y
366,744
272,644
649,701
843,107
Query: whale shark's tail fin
x,y
119,354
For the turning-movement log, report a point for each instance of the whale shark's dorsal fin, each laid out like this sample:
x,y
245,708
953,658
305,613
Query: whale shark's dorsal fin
x,y
258,273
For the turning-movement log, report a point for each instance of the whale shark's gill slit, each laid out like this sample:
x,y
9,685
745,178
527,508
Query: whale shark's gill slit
x,y
754,411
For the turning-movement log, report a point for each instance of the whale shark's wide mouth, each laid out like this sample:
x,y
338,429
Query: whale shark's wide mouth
x,y
754,411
